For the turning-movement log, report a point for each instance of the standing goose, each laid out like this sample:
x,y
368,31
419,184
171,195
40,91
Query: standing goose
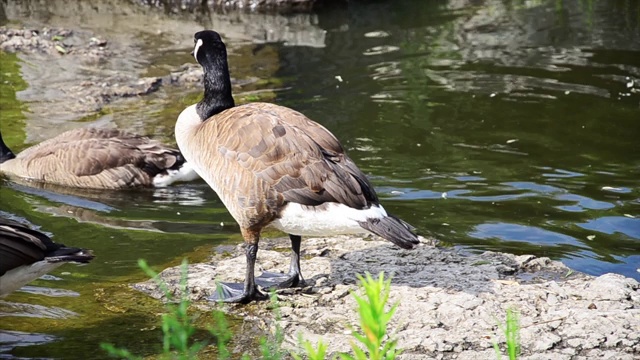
x,y
280,169
98,159
27,254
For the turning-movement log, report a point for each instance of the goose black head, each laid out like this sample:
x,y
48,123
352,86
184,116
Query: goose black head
x,y
5,153
210,52
208,48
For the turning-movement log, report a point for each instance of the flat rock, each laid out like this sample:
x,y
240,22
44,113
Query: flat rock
x,y
253,5
54,41
450,303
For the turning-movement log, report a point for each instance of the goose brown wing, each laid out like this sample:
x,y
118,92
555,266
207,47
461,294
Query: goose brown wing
x,y
20,245
298,158
111,157
80,134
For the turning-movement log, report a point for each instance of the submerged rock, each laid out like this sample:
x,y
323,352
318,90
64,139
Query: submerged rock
x,y
53,41
260,5
450,303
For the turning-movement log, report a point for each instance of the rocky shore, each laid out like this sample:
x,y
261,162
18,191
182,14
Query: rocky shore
x,y
450,303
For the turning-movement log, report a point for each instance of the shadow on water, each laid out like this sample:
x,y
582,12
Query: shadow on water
x,y
498,125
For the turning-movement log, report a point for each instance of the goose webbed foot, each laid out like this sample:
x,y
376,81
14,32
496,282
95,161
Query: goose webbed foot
x,y
270,280
236,293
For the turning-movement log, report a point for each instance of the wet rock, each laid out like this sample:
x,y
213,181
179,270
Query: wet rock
x,y
449,303
53,41
93,95
192,5
185,74
97,88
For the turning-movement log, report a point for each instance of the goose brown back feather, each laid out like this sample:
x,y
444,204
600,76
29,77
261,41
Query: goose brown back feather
x,y
272,166
274,155
94,158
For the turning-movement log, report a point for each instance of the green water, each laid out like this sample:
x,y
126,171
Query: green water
x,y
501,125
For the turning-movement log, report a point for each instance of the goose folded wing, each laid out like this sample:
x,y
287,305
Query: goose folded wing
x,y
20,245
305,165
94,156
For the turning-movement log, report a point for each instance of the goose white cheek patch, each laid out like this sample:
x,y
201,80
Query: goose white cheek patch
x,y
196,48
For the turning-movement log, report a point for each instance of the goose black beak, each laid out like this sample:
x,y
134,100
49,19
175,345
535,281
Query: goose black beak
x,y
191,52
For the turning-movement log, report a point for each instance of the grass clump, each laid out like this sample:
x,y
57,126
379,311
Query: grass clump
x,y
371,341
373,321
511,331
177,325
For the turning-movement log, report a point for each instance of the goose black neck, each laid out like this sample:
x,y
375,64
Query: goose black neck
x,y
5,153
217,88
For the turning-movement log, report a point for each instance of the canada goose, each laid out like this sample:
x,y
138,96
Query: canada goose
x,y
272,166
99,159
27,254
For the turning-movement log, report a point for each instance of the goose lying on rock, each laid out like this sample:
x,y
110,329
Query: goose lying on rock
x,y
272,166
27,254
98,159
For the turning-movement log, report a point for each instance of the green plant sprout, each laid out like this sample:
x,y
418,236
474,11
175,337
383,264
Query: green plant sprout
x,y
373,321
511,331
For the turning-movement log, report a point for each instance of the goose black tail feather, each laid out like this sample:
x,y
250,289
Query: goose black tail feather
x,y
393,229
64,254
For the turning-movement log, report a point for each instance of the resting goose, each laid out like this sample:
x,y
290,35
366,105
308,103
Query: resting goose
x,y
272,166
27,254
98,159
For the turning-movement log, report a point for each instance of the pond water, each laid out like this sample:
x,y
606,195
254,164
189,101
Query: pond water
x,y
493,125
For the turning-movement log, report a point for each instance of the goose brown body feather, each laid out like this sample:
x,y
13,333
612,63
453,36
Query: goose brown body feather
x,y
94,158
272,166
273,155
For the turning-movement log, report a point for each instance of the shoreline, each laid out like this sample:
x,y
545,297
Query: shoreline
x,y
450,303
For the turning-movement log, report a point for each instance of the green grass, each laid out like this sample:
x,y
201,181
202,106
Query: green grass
x,y
511,331
373,321
371,340
177,325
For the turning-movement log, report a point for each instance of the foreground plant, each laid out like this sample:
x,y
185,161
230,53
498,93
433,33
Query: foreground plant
x,y
373,324
511,331
272,349
373,321
177,325
178,328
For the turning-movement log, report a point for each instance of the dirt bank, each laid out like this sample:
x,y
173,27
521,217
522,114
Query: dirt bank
x,y
450,303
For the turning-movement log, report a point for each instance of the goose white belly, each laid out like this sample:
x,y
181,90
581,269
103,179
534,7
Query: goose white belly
x,y
16,278
184,174
186,126
325,220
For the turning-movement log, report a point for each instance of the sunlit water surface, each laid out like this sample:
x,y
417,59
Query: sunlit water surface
x,y
505,126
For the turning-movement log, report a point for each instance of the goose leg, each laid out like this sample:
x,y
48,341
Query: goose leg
x,y
270,280
242,293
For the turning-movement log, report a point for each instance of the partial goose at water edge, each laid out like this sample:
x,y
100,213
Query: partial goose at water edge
x,y
27,254
97,158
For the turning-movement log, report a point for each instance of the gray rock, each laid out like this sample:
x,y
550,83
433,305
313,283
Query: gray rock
x,y
449,304
54,41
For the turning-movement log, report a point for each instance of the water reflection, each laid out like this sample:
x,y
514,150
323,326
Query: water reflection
x,y
10,340
13,309
117,209
509,122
